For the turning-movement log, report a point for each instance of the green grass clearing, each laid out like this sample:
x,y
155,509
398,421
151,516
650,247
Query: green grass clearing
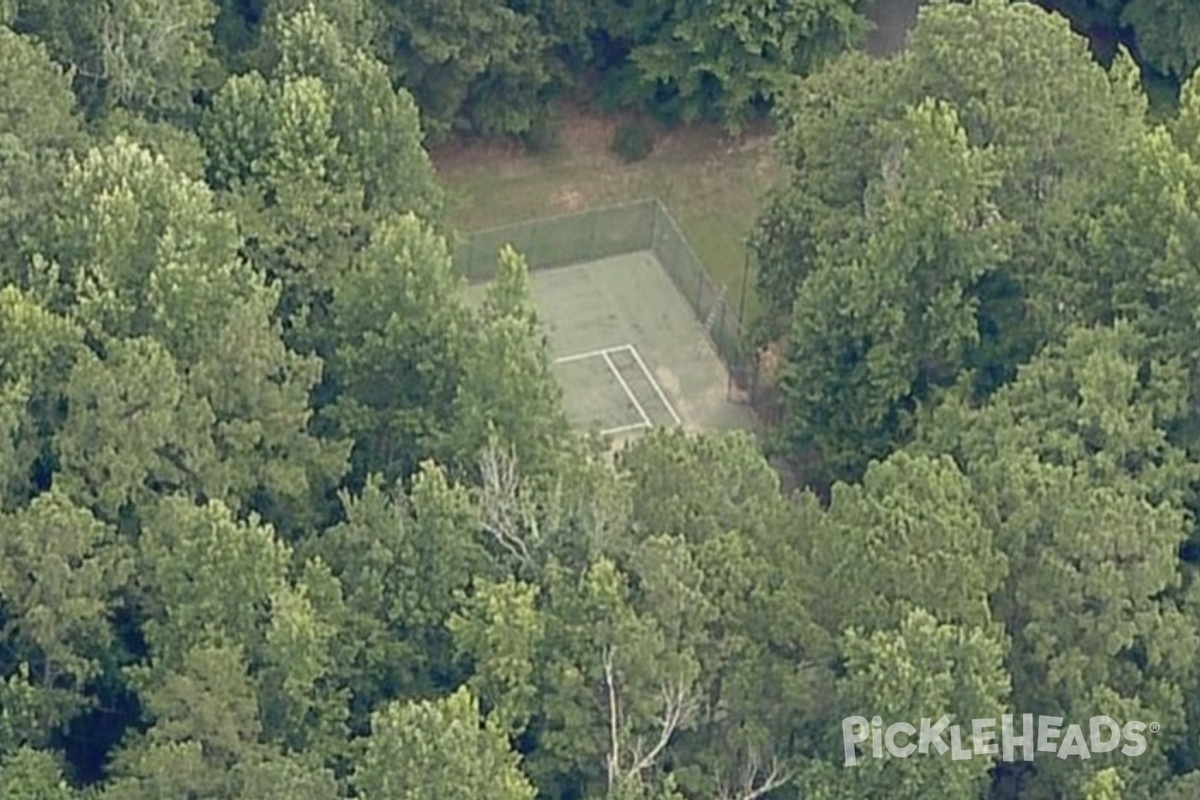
x,y
712,186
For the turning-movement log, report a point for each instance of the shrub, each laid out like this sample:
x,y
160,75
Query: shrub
x,y
545,134
633,140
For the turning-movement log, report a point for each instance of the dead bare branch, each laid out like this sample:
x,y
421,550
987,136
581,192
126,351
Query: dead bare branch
x,y
678,705
749,786
503,511
614,720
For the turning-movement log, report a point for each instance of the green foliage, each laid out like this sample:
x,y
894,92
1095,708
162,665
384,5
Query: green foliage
x,y
1163,31
396,329
286,778
77,569
908,536
830,143
723,59
476,65
146,56
375,128
178,145
37,352
499,630
1104,785
191,551
633,140
151,271
544,134
285,515
919,669
509,398
718,60
311,159
28,774
39,126
1166,34
428,750
884,323
1085,497
982,248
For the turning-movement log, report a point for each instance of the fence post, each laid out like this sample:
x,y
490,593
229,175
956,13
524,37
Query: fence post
x,y
653,228
741,317
656,225
590,255
656,238
660,224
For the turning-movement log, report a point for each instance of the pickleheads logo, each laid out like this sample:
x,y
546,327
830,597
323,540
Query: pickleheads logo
x,y
984,738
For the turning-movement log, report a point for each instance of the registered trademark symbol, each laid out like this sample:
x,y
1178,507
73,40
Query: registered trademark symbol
x,y
1154,726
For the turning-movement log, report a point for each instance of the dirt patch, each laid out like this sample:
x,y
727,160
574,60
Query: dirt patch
x,y
753,142
586,135
712,183
765,166
466,154
569,199
588,132
582,133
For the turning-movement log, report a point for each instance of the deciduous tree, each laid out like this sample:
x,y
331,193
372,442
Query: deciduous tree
x,y
40,126
148,56
1085,496
438,749
473,65
919,670
141,253
882,323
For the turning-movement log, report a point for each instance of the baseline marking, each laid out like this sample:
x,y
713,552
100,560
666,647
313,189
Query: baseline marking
x,y
603,351
637,357
628,392
637,426
653,383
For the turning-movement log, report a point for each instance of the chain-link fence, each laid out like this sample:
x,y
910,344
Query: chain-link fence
x,y
559,241
708,297
611,231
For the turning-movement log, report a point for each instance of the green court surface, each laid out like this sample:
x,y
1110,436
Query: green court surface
x,y
628,350
613,390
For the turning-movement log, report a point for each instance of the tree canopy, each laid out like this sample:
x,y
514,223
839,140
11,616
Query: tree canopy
x,y
287,514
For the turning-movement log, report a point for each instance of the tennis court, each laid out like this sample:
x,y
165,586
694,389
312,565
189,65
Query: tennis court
x,y
635,346
614,391
629,351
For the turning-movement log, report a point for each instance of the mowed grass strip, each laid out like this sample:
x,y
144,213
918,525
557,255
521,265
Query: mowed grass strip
x,y
712,185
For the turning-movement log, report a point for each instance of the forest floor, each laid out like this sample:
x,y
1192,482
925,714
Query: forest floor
x,y
712,184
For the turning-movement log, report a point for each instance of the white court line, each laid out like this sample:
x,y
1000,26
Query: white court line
x,y
590,354
623,429
633,351
628,391
657,389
